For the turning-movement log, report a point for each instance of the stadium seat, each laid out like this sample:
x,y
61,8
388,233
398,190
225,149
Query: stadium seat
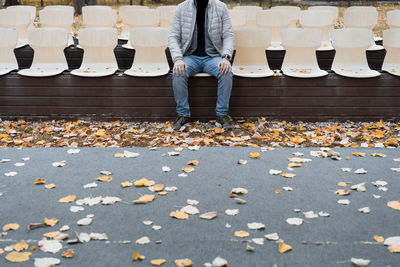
x,y
251,14
393,18
98,16
250,59
276,21
30,9
98,57
322,20
48,45
364,18
350,59
238,18
19,20
150,59
300,60
124,35
58,17
166,15
293,12
333,9
391,42
141,18
8,41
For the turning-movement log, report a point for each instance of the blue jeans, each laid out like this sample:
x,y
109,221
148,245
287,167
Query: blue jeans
x,y
196,64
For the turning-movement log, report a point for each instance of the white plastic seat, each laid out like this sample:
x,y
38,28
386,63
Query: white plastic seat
x,y
393,18
124,35
150,59
166,15
322,20
98,52
300,60
363,18
23,8
19,20
238,18
333,9
250,58
48,45
58,17
8,41
140,18
98,16
251,14
293,12
276,21
351,59
391,42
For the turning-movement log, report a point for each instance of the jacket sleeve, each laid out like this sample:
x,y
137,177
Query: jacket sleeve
x,y
174,37
228,38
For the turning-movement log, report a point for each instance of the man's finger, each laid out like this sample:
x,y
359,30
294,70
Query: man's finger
x,y
185,67
182,70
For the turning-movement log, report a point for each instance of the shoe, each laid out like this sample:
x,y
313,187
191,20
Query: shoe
x,y
225,121
179,122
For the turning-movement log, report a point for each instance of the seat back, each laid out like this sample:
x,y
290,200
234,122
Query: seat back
x,y
30,9
98,16
351,45
57,18
140,18
293,13
98,45
59,7
17,19
274,20
391,42
360,17
238,18
250,45
301,46
149,45
318,19
122,10
8,41
333,9
393,18
251,14
166,14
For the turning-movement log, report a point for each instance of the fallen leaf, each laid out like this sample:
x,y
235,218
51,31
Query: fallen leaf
x,y
359,154
179,215
288,175
275,172
20,246
254,155
379,239
144,182
232,212
343,184
242,234
105,173
395,204
219,262
157,262
69,253
284,247
343,201
183,262
129,154
208,215
104,178
239,191
255,226
188,169
190,210
295,221
299,160
136,256
249,248
360,262
10,226
158,187
272,236
52,234
40,181
119,155
84,221
193,162
50,222
365,210
294,165
394,248
50,186
1,251
46,262
378,155
18,256
67,199
342,192
52,246
143,240
126,184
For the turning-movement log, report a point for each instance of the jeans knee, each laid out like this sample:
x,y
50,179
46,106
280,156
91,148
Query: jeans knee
x,y
226,77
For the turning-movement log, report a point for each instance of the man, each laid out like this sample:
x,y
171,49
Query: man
x,y
201,40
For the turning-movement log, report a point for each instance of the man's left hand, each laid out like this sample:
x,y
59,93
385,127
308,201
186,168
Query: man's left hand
x,y
224,66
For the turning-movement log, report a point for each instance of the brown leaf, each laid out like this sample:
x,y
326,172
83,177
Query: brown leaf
x,y
18,256
395,204
242,234
69,253
136,256
394,248
218,130
193,162
50,222
11,226
67,199
254,155
188,169
20,246
52,234
50,186
179,215
342,192
284,247
378,155
105,172
183,262
35,225
104,178
158,262
40,181
359,154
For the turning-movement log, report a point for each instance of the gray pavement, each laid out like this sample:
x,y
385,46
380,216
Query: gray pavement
x,y
211,182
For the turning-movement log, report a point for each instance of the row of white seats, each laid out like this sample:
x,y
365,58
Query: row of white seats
x,y
250,59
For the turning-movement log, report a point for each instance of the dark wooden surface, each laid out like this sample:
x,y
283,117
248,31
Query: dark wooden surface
x,y
120,96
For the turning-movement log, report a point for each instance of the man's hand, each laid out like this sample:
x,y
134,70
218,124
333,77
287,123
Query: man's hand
x,y
180,67
224,66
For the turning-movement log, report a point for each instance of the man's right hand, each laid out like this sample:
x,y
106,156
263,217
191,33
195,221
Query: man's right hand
x,y
180,67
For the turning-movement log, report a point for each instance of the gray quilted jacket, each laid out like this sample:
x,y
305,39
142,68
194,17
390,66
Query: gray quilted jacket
x,y
220,39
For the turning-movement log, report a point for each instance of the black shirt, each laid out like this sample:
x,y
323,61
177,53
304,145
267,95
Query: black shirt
x,y
200,19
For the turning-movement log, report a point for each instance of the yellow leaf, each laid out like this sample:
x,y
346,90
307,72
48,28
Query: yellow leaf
x,y
41,142
378,155
136,256
358,154
67,199
50,186
126,184
193,162
379,239
347,158
18,142
288,175
395,204
104,178
105,172
18,256
248,124
188,169
163,193
254,155
69,253
1,251
119,155
40,181
342,192
33,248
179,215
158,262
297,139
284,247
242,234
343,184
394,248
52,234
277,191
50,222
218,130
158,187
144,199
20,246
297,160
183,262
144,182
11,226
293,165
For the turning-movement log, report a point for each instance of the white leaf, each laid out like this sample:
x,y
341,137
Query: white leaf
x,y
194,148
255,226
239,190
232,212
346,169
258,241
393,240
109,200
395,169
90,201
147,222
166,169
228,225
182,175
90,185
129,154
275,172
192,202
26,158
343,201
208,215
297,154
359,187
377,196
287,188
360,171
10,173
4,160
379,183
323,214
143,240
171,188
242,162
64,228
19,164
365,210
272,236
190,210
383,188
310,215
85,221
156,227
98,236
360,262
297,210
219,262
73,151
46,262
84,237
294,221
59,163
173,153
76,208
52,246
